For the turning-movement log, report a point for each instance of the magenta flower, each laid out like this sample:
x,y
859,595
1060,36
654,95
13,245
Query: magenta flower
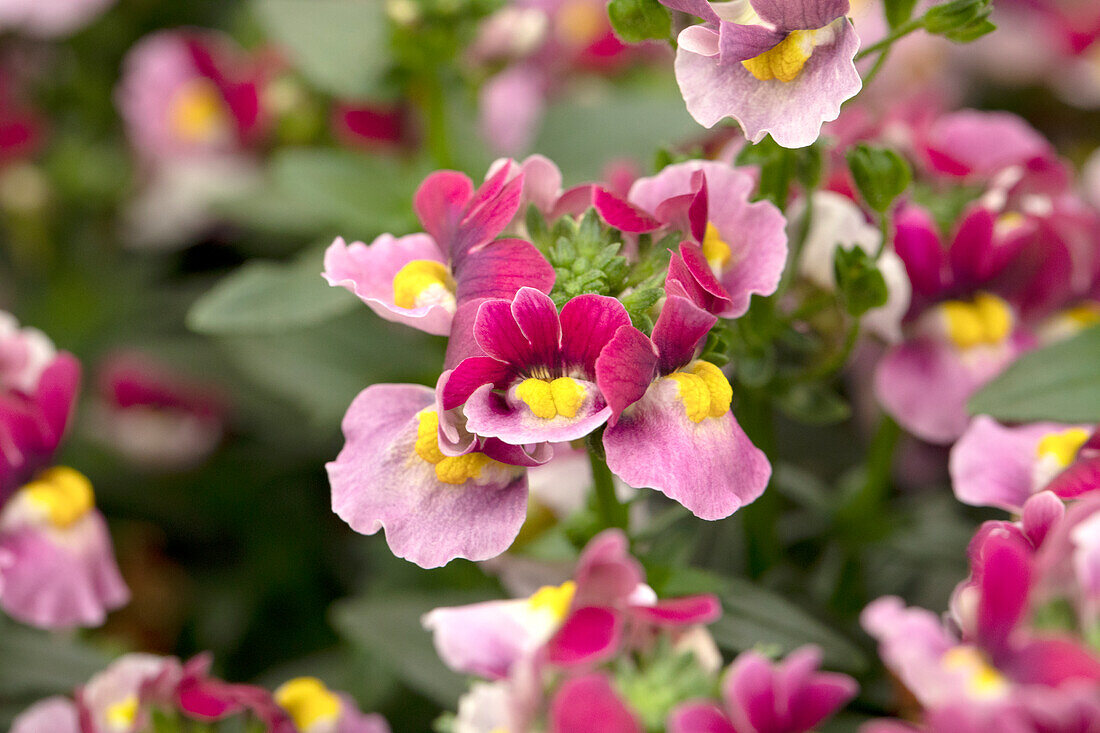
x,y
978,145
536,382
671,427
994,465
590,703
762,697
434,507
422,279
782,67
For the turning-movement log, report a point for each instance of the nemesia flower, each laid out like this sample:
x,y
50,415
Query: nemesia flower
x,y
49,18
434,507
1068,563
671,427
57,568
837,222
421,279
316,709
536,382
590,703
994,465
776,66
154,417
759,697
738,246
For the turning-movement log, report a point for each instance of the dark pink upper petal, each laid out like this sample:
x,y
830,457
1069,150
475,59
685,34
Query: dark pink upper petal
x,y
440,202
499,336
698,717
679,332
792,15
625,368
684,611
917,243
750,694
1081,478
819,699
537,317
621,214
470,374
1005,584
1053,662
493,207
590,704
970,142
500,269
1041,514
590,635
690,276
606,573
972,250
588,323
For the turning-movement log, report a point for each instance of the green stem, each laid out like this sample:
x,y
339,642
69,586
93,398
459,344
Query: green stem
x,y
434,107
900,32
866,505
876,68
797,245
613,513
763,549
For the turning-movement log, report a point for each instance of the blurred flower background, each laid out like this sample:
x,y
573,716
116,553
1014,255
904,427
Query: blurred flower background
x,y
172,172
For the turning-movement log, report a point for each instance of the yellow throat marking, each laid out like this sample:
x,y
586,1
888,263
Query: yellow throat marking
x,y
307,701
715,249
66,495
982,680
1062,446
548,399
987,320
785,60
412,280
448,469
704,390
121,715
553,598
197,112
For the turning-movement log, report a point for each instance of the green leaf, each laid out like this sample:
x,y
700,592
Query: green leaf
x,y
339,45
858,280
389,627
961,21
899,11
269,297
881,175
756,617
1060,382
640,20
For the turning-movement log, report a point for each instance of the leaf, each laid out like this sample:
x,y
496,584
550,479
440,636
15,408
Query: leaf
x,y
269,297
880,174
389,627
640,20
341,46
753,616
899,11
859,280
1060,382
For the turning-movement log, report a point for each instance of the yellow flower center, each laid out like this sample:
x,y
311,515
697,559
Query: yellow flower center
x,y
448,469
553,598
197,112
548,399
423,282
982,680
704,390
987,320
785,60
1062,446
64,494
121,715
715,248
580,22
308,701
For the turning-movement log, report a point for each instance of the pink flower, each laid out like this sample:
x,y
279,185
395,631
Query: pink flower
x,y
762,697
49,18
776,66
590,703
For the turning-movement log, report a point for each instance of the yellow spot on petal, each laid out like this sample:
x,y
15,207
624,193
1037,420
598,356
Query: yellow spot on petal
x,y
982,680
785,60
539,396
693,393
721,393
1062,446
568,396
66,495
986,320
420,281
197,112
553,598
460,469
308,702
427,437
580,22
1083,315
715,248
121,715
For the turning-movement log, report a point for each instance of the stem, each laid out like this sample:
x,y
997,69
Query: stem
x,y
866,504
884,231
613,513
877,67
797,245
900,32
434,107
762,547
